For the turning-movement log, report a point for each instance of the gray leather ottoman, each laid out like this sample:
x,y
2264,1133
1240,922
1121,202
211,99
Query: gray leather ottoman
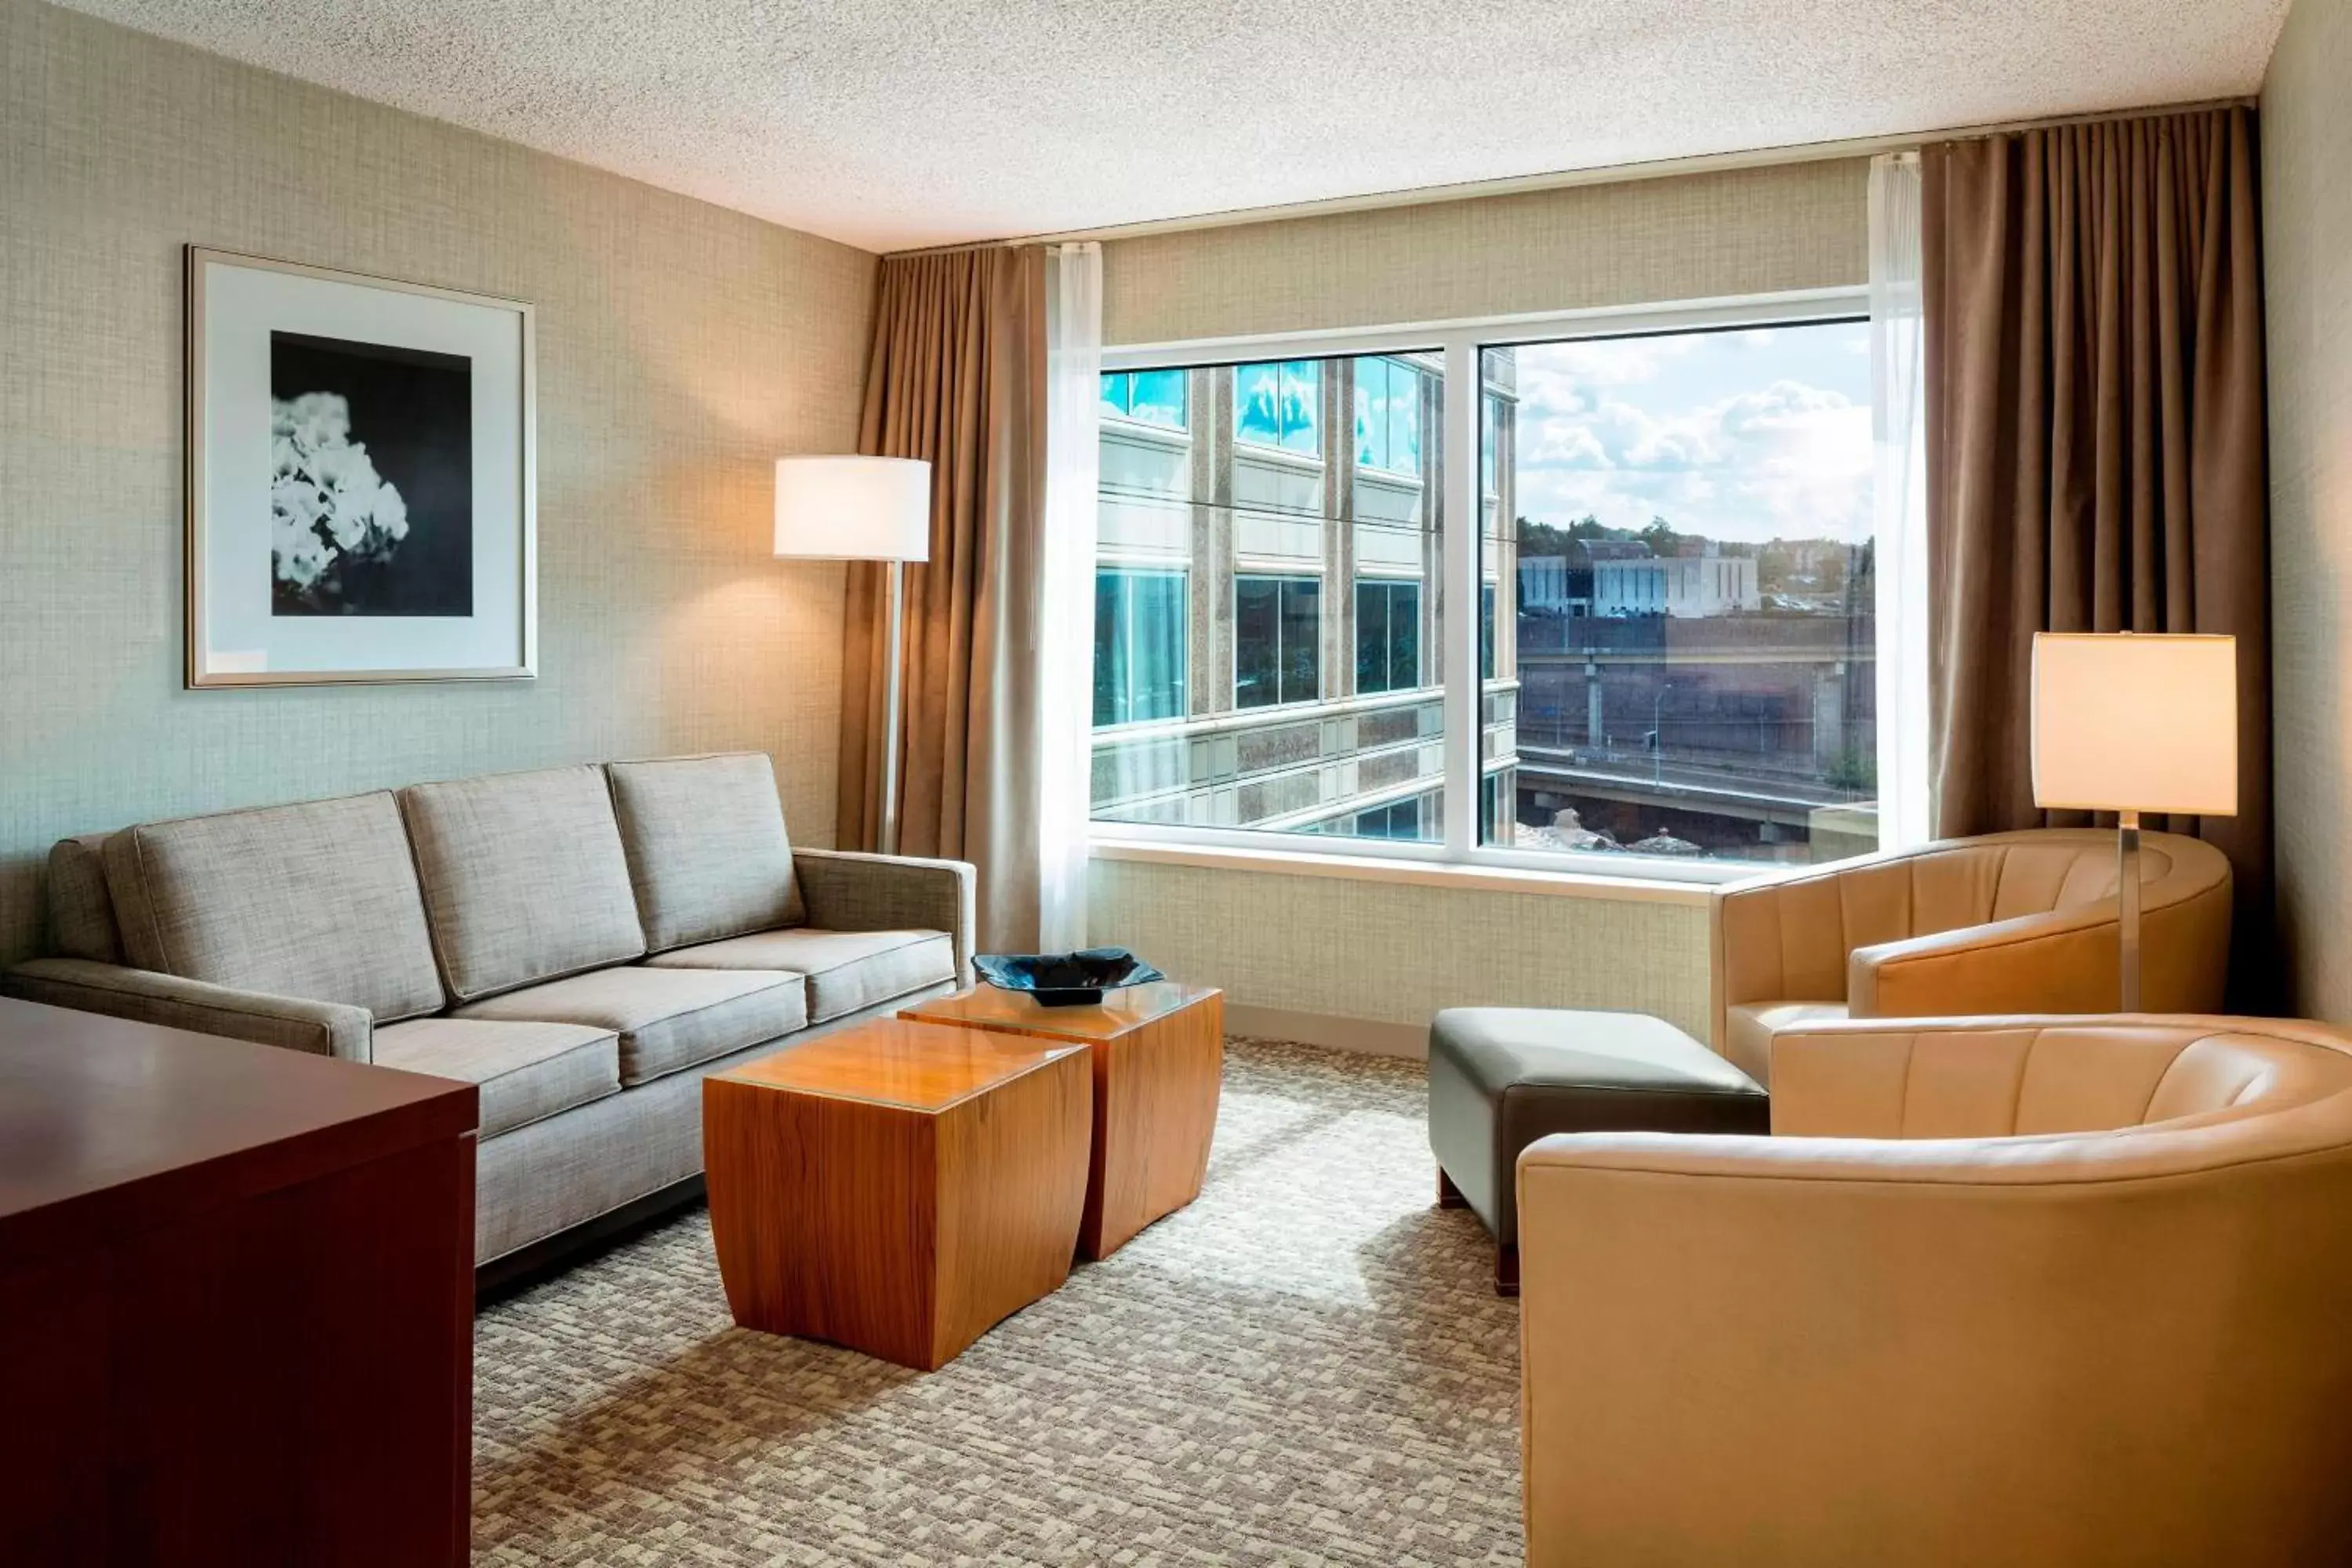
x,y
1501,1078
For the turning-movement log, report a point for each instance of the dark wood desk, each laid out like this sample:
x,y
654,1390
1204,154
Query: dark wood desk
x,y
236,1302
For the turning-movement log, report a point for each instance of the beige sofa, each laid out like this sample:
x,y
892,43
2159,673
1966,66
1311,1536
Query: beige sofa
x,y
2030,1291
2008,922
584,943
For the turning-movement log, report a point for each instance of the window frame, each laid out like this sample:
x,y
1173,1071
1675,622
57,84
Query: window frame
x,y
1460,344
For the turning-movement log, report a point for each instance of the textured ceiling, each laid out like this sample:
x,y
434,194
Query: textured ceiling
x,y
892,123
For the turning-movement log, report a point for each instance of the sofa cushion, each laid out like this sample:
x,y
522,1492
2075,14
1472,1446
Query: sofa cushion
x,y
666,1018
708,852
525,1071
317,900
524,877
1747,1029
846,970
81,914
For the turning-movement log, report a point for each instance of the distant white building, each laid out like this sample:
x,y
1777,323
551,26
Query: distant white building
x,y
1543,585
1683,586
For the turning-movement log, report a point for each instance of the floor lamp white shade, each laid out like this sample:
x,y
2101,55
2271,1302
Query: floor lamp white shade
x,y
854,508
862,508
2134,721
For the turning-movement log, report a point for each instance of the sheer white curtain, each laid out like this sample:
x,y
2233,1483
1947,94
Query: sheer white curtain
x,y
1898,426
1073,394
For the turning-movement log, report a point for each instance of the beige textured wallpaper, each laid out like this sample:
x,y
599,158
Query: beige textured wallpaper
x,y
2307,129
1396,953
1691,237
681,349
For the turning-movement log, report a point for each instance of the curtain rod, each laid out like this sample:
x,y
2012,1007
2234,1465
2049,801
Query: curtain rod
x,y
1611,175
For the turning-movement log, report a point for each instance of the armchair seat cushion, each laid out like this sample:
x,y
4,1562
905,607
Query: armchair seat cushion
x,y
666,1018
1749,1028
526,1071
1501,1078
846,970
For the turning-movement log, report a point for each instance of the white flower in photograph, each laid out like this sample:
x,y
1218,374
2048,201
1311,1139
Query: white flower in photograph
x,y
328,507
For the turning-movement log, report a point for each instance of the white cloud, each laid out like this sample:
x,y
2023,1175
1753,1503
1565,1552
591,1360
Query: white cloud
x,y
1788,458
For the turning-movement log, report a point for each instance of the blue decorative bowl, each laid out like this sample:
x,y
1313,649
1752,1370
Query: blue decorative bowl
x,y
1065,979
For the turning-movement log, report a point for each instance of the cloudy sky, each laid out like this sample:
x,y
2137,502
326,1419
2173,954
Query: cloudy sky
x,y
1738,434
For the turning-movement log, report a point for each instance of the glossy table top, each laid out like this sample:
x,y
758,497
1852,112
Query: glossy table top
x,y
892,1061
993,1007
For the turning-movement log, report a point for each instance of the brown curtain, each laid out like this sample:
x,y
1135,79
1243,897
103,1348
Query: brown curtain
x,y
957,377
2093,321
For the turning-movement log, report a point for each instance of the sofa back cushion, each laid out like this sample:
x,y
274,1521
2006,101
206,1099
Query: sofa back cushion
x,y
709,855
524,877
317,900
81,911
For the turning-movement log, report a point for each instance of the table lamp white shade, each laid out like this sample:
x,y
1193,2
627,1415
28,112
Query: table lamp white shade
x,y
854,508
2135,722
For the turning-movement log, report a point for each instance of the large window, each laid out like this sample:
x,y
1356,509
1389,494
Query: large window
x,y
1656,610
1140,625
1388,636
1694,640
1277,640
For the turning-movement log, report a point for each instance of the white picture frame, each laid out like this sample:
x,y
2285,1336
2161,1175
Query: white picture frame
x,y
362,479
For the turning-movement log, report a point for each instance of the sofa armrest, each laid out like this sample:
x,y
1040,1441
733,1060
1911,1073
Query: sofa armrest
x,y
849,891
1764,946
323,1028
2062,962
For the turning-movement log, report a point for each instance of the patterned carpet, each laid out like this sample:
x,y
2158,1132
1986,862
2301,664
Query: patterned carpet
x,y
1307,1366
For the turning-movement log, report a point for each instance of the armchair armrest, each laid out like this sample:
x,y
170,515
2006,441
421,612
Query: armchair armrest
x,y
2060,962
846,890
1830,1330
323,1028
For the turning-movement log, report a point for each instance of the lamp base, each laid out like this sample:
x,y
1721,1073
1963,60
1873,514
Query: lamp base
x,y
2128,907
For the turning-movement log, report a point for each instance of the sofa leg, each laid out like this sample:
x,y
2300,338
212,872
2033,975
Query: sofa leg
x,y
1506,1270
1449,1196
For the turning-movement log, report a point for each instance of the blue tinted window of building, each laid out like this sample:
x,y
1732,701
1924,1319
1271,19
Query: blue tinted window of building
x,y
1277,640
1404,419
1140,626
1388,415
1116,393
1302,390
1158,397
1388,636
1257,404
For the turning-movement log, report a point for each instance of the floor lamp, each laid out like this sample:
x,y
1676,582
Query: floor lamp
x,y
2130,722
862,508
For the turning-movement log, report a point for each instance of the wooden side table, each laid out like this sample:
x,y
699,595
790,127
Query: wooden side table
x,y
1159,1060
898,1188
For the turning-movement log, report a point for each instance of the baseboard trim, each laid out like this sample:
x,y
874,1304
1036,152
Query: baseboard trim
x,y
512,1273
1370,1035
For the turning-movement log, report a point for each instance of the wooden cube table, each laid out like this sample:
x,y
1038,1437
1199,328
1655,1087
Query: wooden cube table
x,y
1159,1059
898,1188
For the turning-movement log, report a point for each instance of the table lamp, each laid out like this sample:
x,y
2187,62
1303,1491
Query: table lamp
x,y
2134,721
862,508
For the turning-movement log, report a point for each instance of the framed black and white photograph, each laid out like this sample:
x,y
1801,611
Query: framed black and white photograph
x,y
361,479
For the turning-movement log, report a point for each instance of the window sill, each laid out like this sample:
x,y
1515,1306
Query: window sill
x,y
1417,873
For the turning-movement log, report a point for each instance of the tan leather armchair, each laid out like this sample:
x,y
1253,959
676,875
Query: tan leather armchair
x,y
2010,922
2032,1291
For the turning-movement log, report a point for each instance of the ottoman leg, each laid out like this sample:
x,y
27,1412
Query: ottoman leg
x,y
1449,1196
1506,1270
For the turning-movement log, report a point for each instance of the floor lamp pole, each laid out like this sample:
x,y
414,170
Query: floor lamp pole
x,y
2127,905
886,838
